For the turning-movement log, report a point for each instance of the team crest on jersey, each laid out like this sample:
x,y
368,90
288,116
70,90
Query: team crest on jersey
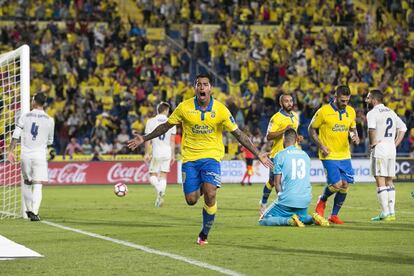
x,y
213,114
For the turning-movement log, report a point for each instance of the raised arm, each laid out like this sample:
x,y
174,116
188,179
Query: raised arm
x,y
158,131
245,141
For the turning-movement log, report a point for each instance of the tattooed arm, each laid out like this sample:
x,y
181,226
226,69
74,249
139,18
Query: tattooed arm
x,y
158,131
245,141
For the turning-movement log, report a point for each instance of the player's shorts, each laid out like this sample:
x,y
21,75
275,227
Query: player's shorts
x,y
337,170
201,171
279,210
382,167
34,169
159,165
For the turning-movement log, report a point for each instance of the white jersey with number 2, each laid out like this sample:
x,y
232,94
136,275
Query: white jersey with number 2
x,y
386,123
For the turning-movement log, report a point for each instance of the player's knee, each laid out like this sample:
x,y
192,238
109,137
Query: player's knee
x,y
191,201
210,197
192,198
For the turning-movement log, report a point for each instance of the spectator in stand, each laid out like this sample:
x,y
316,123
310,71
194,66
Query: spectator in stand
x,y
87,147
95,56
72,148
123,137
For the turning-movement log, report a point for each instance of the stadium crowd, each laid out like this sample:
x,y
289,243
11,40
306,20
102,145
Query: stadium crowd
x,y
103,77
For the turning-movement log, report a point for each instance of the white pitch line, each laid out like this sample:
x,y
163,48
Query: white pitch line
x,y
147,249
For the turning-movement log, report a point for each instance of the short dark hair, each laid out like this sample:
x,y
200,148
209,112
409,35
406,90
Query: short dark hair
x,y
290,135
377,94
342,90
162,106
40,99
204,75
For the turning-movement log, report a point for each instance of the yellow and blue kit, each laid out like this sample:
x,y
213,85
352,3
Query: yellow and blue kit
x,y
202,142
334,126
278,122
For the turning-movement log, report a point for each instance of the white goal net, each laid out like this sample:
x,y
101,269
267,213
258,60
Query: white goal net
x,y
14,100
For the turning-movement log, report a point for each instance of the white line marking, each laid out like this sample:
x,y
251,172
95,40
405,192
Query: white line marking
x,y
147,249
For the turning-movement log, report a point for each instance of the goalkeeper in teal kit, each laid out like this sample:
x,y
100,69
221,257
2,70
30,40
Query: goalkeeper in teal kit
x,y
292,183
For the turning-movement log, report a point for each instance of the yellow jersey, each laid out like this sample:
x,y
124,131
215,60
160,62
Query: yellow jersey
x,y
334,126
202,130
278,122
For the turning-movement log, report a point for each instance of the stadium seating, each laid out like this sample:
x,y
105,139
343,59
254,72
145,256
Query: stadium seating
x,y
103,75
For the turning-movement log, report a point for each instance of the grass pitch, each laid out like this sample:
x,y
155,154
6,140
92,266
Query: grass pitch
x,y
236,242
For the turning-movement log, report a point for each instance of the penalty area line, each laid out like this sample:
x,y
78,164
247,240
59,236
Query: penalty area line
x,y
146,249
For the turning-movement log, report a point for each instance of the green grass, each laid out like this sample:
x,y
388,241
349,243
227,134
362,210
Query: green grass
x,y
360,247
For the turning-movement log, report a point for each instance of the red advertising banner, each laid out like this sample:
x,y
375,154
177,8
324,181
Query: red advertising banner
x,y
103,172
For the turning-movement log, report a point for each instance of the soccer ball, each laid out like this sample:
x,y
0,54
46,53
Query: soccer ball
x,y
120,189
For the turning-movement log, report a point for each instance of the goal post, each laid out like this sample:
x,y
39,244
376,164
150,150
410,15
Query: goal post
x,y
14,101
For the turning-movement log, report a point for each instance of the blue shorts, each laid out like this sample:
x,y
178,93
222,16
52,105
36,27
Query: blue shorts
x,y
201,171
337,170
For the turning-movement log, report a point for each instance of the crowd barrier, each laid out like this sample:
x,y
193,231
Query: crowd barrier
x,y
232,171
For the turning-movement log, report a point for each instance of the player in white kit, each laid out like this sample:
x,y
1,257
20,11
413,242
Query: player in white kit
x,y
385,131
35,129
163,152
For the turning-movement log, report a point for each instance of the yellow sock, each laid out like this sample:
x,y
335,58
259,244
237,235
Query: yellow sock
x,y
211,210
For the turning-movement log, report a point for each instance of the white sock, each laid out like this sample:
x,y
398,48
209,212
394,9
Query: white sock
x,y
382,193
28,196
37,197
162,185
391,199
154,182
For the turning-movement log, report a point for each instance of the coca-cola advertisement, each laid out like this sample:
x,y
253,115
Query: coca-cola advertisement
x,y
104,172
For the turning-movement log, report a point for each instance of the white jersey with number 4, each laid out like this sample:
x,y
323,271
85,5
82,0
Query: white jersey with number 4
x,y
35,129
386,124
161,146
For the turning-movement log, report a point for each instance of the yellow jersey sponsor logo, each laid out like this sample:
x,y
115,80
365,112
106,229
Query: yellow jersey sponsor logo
x,y
197,129
340,128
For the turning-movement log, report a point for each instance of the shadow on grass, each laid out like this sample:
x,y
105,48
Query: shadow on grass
x,y
378,226
392,258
